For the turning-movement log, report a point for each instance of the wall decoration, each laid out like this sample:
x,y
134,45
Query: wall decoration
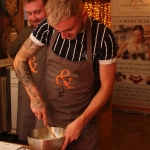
x,y
9,34
10,7
100,10
130,24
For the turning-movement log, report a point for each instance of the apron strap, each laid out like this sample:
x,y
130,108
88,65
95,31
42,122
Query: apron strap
x,y
89,39
53,38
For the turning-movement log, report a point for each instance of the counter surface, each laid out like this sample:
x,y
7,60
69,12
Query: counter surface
x,y
13,146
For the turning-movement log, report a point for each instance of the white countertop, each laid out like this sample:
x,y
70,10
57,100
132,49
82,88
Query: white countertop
x,y
13,146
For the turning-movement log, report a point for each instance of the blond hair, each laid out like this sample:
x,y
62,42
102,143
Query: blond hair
x,y
29,1
59,10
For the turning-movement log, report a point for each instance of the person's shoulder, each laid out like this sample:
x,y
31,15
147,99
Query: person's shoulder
x,y
28,29
96,22
43,23
44,20
42,26
25,32
99,27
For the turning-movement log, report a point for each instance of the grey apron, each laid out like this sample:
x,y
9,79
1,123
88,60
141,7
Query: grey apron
x,y
70,88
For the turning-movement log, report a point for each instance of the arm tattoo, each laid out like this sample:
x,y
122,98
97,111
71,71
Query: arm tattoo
x,y
37,104
29,49
34,92
24,73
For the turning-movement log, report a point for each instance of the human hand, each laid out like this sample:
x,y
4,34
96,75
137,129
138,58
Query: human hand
x,y
38,108
121,47
72,132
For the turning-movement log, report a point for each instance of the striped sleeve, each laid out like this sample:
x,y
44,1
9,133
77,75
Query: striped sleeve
x,y
41,33
108,47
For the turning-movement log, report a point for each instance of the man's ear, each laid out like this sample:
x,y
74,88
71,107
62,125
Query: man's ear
x,y
84,15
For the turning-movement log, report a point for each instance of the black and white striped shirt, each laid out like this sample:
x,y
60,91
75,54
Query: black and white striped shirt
x,y
103,43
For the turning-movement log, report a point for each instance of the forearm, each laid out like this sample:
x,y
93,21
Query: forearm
x,y
107,77
97,103
37,104
27,51
25,76
23,71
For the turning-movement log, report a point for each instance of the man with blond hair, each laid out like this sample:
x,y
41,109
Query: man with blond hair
x,y
26,119
79,48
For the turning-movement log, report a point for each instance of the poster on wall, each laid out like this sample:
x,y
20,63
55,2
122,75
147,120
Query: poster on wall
x,y
130,7
132,85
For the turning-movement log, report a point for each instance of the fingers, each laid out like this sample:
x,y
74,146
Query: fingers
x,y
38,108
45,119
41,115
66,142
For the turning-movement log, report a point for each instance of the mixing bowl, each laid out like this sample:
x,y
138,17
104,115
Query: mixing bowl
x,y
42,139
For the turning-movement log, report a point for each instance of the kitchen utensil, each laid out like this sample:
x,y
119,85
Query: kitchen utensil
x,y
50,130
42,139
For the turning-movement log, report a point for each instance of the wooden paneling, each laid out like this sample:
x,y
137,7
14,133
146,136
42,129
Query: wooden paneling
x,y
1,28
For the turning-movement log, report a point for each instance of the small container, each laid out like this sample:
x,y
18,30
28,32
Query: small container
x,y
42,139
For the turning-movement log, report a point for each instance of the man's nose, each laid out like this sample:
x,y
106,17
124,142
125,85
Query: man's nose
x,y
64,35
34,17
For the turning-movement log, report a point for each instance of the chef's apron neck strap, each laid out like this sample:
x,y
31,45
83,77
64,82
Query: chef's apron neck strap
x,y
53,38
89,39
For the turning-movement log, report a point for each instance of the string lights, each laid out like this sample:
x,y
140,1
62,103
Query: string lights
x,y
100,10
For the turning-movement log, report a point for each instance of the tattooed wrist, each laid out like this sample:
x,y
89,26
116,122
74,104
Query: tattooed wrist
x,y
33,92
37,104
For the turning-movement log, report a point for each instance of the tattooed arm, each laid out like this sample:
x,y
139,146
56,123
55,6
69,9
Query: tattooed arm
x,y
28,50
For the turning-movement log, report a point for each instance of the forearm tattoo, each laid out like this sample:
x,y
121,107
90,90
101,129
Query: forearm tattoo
x,y
24,73
28,50
25,76
33,92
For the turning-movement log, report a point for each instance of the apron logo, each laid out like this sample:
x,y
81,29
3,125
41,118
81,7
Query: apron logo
x,y
32,65
64,73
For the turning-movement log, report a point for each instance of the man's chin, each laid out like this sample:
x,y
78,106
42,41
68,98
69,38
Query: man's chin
x,y
72,37
34,24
